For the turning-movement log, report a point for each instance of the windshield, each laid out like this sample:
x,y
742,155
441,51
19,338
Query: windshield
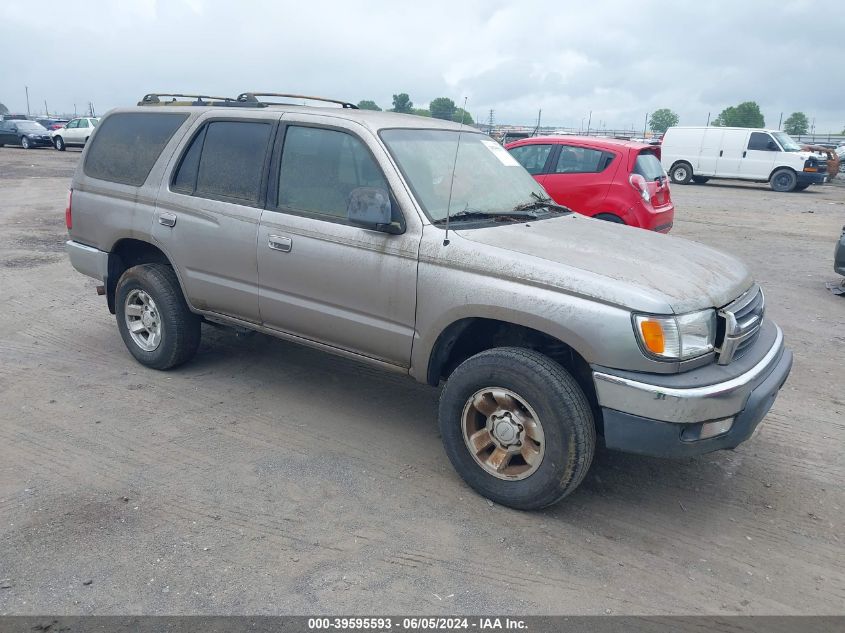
x,y
648,166
487,178
30,126
786,142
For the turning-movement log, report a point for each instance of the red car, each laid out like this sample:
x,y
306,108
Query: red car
x,y
619,181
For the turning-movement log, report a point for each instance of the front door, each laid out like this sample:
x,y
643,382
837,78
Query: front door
x,y
320,277
207,214
759,157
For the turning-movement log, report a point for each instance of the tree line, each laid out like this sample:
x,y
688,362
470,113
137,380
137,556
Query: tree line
x,y
439,108
746,114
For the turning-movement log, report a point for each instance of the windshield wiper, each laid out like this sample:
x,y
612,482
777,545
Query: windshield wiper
x,y
481,215
541,202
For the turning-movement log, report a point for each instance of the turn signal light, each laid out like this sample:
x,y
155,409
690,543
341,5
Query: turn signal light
x,y
653,336
68,213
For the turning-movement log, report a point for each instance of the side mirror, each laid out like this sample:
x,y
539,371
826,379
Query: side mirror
x,y
773,147
370,208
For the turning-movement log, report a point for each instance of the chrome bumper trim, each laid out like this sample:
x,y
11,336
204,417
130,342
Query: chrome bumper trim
x,y
685,405
87,260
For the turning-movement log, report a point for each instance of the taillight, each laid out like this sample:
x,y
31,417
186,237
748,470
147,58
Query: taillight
x,y
639,183
68,213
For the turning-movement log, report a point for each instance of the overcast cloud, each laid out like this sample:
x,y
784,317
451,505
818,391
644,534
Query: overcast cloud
x,y
618,58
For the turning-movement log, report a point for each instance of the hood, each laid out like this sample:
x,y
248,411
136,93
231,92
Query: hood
x,y
631,267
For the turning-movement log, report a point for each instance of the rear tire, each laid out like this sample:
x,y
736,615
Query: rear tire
x,y
494,393
681,173
59,143
700,180
609,217
783,180
153,317
25,143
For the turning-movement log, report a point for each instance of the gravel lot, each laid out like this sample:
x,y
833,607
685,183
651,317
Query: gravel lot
x,y
268,478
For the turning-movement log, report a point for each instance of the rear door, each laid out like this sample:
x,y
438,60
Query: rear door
x,y
734,144
208,210
536,158
70,133
83,130
759,156
711,146
321,278
581,176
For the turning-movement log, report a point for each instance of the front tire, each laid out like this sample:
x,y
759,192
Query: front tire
x,y
783,180
517,427
25,143
801,187
59,143
681,173
153,318
700,180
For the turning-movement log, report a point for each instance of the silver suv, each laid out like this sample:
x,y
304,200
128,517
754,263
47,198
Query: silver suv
x,y
422,247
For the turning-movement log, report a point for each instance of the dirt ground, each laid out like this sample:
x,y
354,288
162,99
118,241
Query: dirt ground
x,y
267,478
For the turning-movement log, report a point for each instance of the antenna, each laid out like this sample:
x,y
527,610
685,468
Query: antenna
x,y
454,166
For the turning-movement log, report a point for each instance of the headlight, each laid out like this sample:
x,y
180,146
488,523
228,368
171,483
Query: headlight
x,y
677,337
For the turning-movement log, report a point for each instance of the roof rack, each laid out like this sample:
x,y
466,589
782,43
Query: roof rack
x,y
154,98
252,97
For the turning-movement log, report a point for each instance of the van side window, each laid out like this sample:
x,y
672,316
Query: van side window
x,y
532,157
320,168
760,141
127,145
581,160
225,160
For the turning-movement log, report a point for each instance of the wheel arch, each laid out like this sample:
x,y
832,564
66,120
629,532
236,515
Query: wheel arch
x,y
782,167
129,252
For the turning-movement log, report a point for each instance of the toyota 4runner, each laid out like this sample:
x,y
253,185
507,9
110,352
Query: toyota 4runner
x,y
423,247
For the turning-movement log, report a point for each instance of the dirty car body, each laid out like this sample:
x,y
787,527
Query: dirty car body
x,y
518,292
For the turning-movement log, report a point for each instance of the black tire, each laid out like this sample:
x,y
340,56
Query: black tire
x,y
783,180
25,143
801,187
609,217
180,328
700,180
59,143
561,407
681,173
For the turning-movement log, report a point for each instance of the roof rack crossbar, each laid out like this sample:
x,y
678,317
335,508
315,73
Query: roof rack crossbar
x,y
154,98
249,97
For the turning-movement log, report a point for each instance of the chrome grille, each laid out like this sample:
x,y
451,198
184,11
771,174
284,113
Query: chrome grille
x,y
739,324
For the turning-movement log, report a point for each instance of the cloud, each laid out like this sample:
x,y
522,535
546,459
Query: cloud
x,y
615,58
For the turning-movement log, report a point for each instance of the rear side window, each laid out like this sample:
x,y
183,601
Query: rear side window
x,y
128,144
225,161
648,166
320,168
532,157
581,160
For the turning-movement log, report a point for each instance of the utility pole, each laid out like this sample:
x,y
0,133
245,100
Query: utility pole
x,y
74,110
708,119
490,123
589,121
539,114
46,111
27,99
645,124
780,122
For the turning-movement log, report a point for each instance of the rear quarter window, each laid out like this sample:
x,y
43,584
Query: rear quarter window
x,y
127,145
648,166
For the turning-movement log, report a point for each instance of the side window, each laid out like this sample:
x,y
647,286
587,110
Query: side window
x,y
532,157
82,123
760,141
185,179
320,168
73,124
581,160
231,161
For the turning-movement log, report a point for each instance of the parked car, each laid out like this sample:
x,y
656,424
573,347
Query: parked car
x,y
839,254
52,124
828,154
27,134
615,180
420,247
840,154
697,154
75,133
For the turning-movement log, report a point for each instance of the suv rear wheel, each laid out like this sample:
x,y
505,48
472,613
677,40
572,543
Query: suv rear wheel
x,y
681,173
517,427
154,320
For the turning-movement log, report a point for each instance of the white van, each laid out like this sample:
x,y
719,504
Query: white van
x,y
700,153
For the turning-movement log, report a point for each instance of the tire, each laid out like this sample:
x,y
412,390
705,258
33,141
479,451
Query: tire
x,y
681,173
164,311
801,187
59,143
700,180
25,143
609,217
536,388
783,180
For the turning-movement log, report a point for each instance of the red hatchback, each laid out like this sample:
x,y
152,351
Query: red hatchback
x,y
619,181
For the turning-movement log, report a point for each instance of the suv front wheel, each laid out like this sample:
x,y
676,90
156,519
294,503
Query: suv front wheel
x,y
517,427
154,320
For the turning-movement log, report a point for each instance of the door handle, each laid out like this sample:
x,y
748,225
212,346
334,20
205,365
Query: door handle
x,y
744,153
167,219
280,243
721,151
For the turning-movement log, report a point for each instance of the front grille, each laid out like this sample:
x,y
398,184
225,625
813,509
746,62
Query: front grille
x,y
739,325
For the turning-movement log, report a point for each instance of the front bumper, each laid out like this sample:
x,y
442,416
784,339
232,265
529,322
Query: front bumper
x,y
839,255
87,260
811,178
662,415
